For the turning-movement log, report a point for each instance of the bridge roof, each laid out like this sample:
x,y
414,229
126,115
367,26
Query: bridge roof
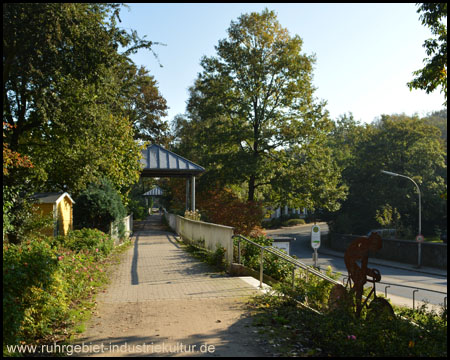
x,y
156,191
160,162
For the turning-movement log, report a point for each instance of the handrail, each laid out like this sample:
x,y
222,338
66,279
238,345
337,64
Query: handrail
x,y
287,258
406,286
311,270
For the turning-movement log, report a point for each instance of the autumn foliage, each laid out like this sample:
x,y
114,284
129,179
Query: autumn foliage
x,y
12,158
222,206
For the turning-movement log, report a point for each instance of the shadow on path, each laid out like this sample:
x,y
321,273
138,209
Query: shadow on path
x,y
152,225
161,299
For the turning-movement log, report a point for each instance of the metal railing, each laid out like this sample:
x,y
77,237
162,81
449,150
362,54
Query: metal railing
x,y
282,255
414,290
298,264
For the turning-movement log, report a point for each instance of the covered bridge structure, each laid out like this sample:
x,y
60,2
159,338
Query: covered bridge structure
x,y
159,162
155,194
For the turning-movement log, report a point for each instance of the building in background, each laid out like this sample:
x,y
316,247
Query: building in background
x,y
59,204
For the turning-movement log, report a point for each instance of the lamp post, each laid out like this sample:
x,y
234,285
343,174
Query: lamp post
x,y
420,213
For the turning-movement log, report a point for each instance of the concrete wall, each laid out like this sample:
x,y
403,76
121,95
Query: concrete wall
x,y
114,231
405,251
171,220
207,235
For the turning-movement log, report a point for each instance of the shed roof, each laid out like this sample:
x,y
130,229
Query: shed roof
x,y
51,197
160,162
156,191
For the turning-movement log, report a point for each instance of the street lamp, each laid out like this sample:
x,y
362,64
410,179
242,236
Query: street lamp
x,y
420,210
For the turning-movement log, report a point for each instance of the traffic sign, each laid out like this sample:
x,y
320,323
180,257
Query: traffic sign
x,y
420,238
315,237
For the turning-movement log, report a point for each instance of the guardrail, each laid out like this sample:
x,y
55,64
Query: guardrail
x,y
415,289
299,264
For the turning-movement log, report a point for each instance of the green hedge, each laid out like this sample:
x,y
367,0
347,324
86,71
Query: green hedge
x,y
293,222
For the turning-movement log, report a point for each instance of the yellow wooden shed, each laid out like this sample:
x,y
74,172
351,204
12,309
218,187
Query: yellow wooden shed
x,y
59,204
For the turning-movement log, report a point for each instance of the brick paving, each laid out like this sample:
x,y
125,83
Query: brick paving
x,y
156,268
161,299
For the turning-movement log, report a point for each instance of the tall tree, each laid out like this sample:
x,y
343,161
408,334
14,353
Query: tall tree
x,y
145,107
434,73
251,101
64,91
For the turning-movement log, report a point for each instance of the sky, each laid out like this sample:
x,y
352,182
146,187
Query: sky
x,y
365,53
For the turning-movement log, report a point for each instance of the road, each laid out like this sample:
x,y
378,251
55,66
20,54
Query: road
x,y
394,275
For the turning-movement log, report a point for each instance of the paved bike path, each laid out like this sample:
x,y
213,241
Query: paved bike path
x,y
163,302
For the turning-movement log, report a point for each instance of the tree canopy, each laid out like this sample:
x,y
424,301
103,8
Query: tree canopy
x,y
397,143
72,102
252,118
434,73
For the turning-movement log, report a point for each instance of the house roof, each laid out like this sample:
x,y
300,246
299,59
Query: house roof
x,y
51,197
156,191
160,162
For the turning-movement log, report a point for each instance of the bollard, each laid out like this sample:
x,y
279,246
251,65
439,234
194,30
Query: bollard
x,y
414,300
261,268
239,251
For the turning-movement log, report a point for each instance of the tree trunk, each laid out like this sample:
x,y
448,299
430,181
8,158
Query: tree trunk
x,y
251,188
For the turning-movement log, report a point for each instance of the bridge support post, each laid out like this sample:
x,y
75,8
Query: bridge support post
x,y
193,193
187,194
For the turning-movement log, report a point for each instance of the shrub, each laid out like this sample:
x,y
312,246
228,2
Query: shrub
x,y
138,209
293,222
275,267
218,258
272,223
19,216
300,332
87,239
193,215
217,205
34,296
221,206
98,206
45,280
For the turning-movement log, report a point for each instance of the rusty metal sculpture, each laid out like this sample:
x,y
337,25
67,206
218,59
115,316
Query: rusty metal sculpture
x,y
358,251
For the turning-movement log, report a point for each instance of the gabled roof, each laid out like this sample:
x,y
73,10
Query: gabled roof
x,y
156,191
159,162
51,197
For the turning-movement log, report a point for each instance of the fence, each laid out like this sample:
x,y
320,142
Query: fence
x,y
405,251
208,235
114,229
